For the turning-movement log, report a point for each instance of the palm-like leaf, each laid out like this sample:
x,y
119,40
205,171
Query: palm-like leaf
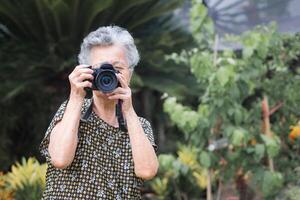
x,y
58,26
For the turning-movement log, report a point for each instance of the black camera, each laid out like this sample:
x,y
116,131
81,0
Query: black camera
x,y
105,78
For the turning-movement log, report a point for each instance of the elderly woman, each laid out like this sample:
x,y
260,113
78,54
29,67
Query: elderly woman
x,y
93,158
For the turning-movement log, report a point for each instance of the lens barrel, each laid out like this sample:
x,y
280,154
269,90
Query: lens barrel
x,y
105,78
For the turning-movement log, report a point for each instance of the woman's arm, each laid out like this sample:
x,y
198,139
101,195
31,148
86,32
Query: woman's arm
x,y
64,136
144,157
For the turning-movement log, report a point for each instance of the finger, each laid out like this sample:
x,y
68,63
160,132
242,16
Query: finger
x,y
118,90
78,72
85,70
118,96
83,77
82,66
85,84
122,81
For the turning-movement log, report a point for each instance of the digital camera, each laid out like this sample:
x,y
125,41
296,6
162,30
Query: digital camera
x,y
105,78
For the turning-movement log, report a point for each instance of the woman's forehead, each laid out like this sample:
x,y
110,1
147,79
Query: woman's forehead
x,y
114,55
114,63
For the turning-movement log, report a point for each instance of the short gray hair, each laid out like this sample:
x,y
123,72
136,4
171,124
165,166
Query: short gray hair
x,y
108,36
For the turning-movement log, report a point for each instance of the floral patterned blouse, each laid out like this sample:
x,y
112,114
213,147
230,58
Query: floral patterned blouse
x,y
103,165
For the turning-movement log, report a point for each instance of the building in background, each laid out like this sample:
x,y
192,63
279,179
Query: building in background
x,y
237,16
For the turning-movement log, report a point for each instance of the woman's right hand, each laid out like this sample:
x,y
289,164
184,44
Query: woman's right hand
x,y
80,78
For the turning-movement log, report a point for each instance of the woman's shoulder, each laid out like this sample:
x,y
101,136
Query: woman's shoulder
x,y
142,119
144,122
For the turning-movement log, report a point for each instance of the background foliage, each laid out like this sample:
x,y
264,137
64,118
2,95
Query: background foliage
x,y
26,180
230,107
39,43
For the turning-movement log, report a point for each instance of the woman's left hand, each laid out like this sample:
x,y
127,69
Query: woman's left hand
x,y
123,93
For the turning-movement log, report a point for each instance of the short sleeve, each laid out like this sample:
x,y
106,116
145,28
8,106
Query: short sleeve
x,y
45,141
148,131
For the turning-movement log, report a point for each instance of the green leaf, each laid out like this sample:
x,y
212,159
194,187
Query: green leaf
x,y
272,182
233,156
247,52
205,159
238,116
272,145
201,65
237,137
259,151
165,162
183,116
224,74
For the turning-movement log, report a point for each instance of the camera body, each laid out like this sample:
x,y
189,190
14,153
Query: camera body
x,y
105,79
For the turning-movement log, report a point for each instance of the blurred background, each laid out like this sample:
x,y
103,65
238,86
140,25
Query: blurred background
x,y
218,80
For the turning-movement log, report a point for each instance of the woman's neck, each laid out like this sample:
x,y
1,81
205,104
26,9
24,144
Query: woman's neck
x,y
105,109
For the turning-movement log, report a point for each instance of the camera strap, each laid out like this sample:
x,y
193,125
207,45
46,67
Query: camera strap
x,y
85,116
119,115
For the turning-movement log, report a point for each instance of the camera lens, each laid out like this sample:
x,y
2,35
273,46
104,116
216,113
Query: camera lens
x,y
106,81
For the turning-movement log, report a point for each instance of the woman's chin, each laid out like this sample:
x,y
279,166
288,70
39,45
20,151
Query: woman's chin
x,y
101,95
